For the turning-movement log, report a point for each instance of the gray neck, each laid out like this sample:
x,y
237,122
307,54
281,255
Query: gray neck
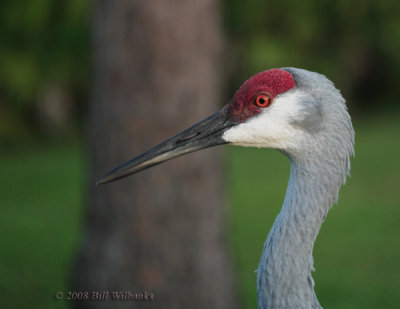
x,y
284,273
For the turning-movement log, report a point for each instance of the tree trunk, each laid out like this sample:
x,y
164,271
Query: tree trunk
x,y
156,71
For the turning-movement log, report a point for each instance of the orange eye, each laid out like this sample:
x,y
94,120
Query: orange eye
x,y
262,100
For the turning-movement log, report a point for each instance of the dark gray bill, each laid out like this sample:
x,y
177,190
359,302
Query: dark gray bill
x,y
206,133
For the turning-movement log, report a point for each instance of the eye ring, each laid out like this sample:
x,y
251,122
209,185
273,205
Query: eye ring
x,y
262,100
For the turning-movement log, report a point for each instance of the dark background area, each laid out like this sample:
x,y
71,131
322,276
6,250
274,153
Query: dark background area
x,y
45,55
45,78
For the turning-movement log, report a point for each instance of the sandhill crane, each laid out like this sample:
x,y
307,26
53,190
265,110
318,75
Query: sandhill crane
x,y
303,115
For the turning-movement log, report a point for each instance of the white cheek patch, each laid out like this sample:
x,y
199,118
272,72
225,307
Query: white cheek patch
x,y
272,128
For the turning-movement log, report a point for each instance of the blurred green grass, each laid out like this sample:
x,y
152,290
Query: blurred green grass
x,y
357,254
41,197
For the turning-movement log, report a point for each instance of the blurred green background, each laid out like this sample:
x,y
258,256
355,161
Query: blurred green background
x,y
44,82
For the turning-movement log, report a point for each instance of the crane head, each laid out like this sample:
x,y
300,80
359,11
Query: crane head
x,y
277,108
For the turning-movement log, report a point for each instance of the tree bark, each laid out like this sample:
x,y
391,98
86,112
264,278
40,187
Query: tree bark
x,y
156,71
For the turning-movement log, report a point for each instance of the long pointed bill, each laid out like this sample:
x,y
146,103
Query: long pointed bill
x,y
204,134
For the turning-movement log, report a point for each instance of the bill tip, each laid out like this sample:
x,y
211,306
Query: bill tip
x,y
101,181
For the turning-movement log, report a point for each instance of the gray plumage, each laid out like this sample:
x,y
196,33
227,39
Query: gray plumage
x,y
317,172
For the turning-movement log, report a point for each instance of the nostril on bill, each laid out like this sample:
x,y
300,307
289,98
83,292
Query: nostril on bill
x,y
180,141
